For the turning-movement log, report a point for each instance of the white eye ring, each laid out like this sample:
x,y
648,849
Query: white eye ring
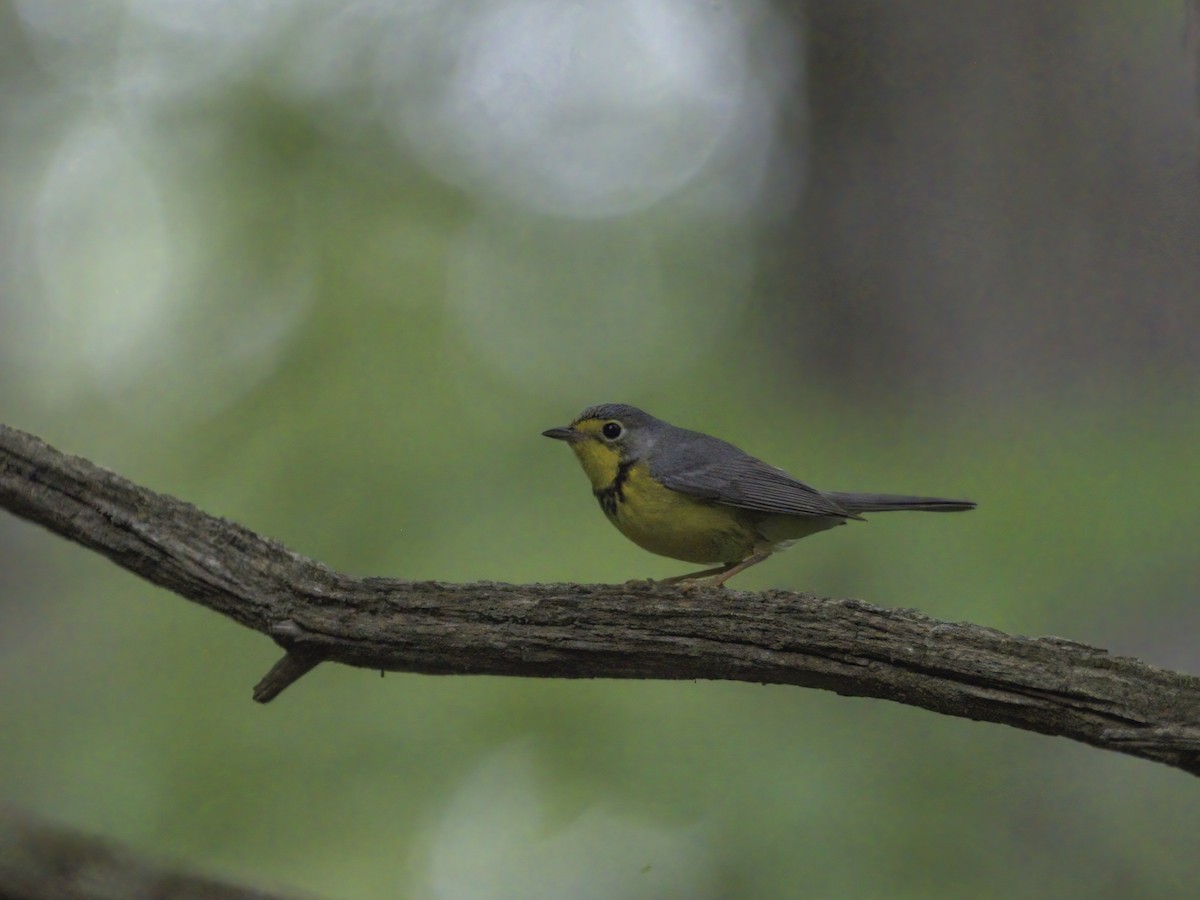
x,y
612,430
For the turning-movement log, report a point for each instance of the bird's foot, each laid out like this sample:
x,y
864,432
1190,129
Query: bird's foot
x,y
639,583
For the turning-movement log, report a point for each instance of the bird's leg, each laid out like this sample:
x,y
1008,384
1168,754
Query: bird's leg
x,y
752,560
720,574
676,579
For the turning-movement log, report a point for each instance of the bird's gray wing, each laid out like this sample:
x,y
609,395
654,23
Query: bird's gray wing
x,y
711,469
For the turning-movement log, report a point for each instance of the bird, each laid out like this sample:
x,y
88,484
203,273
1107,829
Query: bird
x,y
694,497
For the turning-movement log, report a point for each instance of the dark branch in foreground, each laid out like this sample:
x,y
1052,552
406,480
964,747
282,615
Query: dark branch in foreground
x,y
1046,685
40,861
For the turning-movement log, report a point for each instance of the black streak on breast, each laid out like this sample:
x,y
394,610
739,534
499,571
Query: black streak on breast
x,y
614,495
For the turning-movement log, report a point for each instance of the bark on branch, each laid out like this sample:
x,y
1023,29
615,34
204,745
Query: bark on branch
x,y
1047,685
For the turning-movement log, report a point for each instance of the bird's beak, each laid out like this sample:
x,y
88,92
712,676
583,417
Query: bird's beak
x,y
568,434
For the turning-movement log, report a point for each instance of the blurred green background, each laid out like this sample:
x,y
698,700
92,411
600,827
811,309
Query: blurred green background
x,y
328,268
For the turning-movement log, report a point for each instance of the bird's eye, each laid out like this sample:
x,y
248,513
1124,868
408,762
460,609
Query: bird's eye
x,y
611,430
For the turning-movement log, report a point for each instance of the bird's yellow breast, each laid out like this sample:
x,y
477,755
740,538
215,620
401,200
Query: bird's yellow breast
x,y
672,524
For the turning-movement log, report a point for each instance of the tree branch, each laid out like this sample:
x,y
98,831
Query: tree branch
x,y
637,630
39,861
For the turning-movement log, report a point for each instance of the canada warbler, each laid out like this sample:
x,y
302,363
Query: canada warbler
x,y
694,497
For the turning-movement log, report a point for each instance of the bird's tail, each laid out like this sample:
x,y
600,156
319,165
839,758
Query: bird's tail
x,y
860,503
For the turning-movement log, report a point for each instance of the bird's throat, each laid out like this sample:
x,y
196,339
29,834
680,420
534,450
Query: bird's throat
x,y
600,462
